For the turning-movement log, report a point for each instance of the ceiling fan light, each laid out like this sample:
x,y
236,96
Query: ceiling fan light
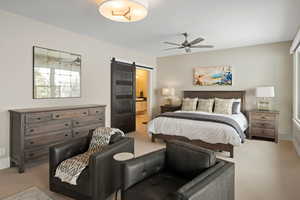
x,y
124,10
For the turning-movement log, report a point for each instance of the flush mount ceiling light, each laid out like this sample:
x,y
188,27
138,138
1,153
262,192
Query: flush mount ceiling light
x,y
124,10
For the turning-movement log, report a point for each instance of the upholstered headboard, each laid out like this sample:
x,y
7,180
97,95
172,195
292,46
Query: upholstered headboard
x,y
218,94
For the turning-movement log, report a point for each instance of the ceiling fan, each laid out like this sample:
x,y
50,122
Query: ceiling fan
x,y
188,45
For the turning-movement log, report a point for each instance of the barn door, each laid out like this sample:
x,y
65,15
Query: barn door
x,y
123,96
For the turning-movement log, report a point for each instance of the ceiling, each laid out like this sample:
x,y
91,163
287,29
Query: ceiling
x,y
225,24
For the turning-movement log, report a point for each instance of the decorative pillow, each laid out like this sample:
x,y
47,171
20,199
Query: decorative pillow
x,y
189,104
223,106
205,105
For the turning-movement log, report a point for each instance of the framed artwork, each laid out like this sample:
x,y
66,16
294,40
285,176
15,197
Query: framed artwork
x,y
213,76
56,74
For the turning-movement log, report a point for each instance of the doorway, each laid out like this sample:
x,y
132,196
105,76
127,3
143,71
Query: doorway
x,y
142,98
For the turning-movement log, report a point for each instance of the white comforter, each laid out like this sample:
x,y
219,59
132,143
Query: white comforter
x,y
210,132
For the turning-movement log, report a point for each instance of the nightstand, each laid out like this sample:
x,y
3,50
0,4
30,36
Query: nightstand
x,y
169,108
263,124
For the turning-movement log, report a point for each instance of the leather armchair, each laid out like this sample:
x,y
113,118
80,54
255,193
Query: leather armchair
x,y
98,180
180,172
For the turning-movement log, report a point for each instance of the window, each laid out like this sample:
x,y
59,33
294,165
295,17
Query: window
x,y
297,66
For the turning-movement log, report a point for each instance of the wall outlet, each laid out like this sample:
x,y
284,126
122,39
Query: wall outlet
x,y
2,151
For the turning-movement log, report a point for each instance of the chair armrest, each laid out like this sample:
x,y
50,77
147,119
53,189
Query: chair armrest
x,y
136,170
217,183
61,152
105,179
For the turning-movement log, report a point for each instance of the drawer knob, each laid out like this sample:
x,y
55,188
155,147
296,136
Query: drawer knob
x,y
57,116
97,111
31,142
77,122
66,135
31,154
66,124
76,133
85,113
31,130
38,118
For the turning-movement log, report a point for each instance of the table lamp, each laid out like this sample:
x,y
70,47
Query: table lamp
x,y
168,93
263,94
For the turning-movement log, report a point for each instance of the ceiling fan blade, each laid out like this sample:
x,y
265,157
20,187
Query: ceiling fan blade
x,y
172,43
196,41
203,46
173,48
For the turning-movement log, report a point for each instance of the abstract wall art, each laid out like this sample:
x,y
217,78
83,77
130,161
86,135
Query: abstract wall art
x,y
213,76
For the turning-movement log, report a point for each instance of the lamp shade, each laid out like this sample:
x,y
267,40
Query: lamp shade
x,y
168,92
124,10
265,92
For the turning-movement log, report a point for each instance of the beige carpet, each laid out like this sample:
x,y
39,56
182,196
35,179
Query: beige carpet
x,y
32,193
264,171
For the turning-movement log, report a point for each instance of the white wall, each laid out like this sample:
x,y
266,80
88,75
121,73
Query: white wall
x,y
17,36
253,66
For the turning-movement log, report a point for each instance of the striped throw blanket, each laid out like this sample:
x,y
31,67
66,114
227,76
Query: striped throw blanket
x,y
69,170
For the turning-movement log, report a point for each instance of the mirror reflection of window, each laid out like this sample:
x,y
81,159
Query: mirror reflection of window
x,y
56,74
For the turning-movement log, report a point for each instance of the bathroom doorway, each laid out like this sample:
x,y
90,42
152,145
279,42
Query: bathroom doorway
x,y
142,98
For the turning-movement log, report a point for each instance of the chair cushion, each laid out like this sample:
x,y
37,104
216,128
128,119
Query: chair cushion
x,y
161,186
187,159
83,184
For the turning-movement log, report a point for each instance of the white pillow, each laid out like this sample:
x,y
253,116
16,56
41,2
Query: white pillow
x,y
223,106
205,105
189,104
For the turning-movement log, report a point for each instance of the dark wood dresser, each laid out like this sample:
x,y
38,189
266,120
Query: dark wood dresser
x,y
264,124
33,131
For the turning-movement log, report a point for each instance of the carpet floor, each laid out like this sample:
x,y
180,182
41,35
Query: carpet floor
x,y
264,170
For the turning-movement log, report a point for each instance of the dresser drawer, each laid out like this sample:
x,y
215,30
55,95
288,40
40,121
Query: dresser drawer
x,y
48,127
263,124
50,138
84,131
80,133
66,114
264,116
263,132
97,111
38,117
37,154
88,121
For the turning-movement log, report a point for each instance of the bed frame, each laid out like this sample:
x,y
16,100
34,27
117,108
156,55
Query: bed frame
x,y
206,95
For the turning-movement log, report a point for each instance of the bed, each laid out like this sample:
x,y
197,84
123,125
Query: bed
x,y
208,134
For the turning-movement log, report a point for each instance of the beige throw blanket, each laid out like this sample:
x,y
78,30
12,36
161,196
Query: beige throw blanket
x,y
70,169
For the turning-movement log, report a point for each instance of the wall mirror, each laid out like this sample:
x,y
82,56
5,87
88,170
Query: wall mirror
x,y
56,74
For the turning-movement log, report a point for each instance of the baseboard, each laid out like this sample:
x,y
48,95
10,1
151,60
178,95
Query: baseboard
x,y
285,137
4,163
297,146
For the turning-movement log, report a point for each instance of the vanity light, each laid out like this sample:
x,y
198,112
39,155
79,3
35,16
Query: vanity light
x,y
124,10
